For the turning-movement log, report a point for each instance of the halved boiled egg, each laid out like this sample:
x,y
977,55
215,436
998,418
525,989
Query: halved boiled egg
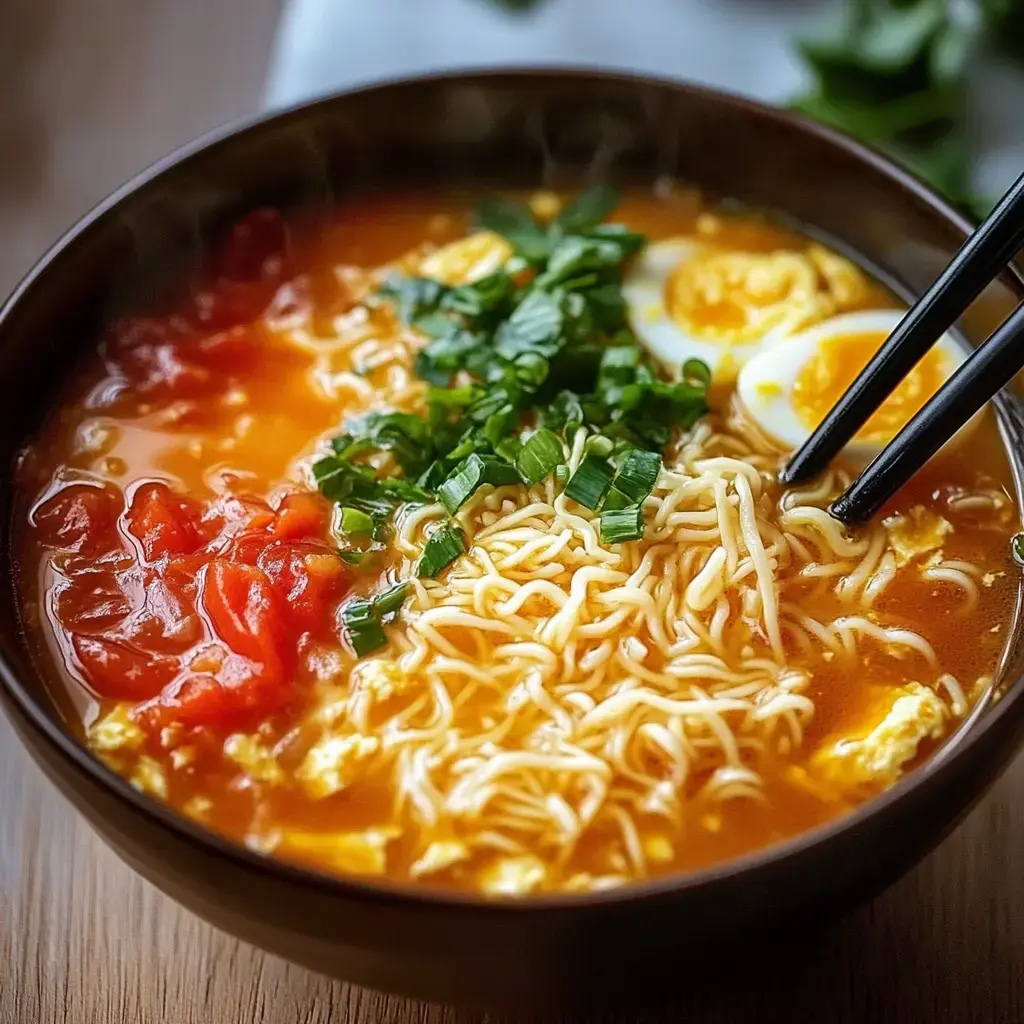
x,y
689,299
788,387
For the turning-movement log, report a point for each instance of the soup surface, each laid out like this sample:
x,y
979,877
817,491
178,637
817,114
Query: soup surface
x,y
553,626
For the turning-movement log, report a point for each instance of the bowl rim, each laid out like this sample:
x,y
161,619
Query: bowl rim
x,y
369,890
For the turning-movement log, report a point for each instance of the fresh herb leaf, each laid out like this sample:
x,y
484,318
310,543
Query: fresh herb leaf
x,y
539,456
587,210
622,524
514,222
443,546
535,327
589,484
414,297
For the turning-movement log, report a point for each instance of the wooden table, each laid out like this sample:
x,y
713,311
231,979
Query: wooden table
x,y
90,92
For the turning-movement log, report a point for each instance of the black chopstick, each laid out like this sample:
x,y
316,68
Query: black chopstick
x,y
977,262
990,367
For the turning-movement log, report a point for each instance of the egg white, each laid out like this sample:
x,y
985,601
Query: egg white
x,y
765,383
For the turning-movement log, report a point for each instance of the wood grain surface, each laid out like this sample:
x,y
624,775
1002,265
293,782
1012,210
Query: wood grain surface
x,y
89,93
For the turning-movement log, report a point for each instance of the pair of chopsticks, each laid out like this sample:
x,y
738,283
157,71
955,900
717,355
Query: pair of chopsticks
x,y
989,368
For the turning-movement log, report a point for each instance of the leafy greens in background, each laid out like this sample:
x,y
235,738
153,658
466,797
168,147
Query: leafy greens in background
x,y
893,73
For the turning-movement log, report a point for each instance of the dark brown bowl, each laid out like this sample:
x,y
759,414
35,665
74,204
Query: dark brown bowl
x,y
530,127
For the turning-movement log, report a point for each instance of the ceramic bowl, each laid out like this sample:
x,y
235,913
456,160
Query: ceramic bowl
x,y
527,128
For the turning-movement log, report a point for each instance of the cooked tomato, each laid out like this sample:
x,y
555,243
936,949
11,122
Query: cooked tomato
x,y
117,670
245,612
301,515
80,517
308,577
163,522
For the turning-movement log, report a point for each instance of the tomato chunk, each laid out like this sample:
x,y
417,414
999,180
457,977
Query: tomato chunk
x,y
308,577
80,518
302,515
119,671
163,522
245,612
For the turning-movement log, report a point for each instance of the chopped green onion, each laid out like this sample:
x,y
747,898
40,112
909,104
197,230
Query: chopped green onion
x,y
476,470
362,629
589,484
696,371
388,601
561,474
445,544
638,474
352,520
539,457
509,449
621,524
599,445
357,557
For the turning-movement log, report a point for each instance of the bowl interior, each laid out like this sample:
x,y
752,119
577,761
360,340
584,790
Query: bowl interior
x,y
527,129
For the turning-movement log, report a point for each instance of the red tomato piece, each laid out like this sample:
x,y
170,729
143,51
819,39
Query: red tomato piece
x,y
301,515
80,517
92,601
165,619
246,613
309,579
223,701
117,670
163,522
231,516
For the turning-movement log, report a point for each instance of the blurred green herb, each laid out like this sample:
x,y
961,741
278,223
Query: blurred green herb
x,y
893,73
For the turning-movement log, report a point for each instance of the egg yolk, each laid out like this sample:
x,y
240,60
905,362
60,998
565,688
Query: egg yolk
x,y
834,367
735,297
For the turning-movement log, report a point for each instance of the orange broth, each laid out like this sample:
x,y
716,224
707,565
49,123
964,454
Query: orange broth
x,y
169,458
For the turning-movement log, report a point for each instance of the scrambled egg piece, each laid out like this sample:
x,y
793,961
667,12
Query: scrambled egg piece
x,y
149,777
439,856
467,259
115,732
258,762
914,534
360,853
380,678
878,758
513,876
334,762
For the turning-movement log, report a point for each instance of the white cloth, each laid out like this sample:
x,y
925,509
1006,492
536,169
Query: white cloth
x,y
743,46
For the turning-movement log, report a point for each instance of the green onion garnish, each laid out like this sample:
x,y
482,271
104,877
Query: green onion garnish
x,y
622,524
362,628
589,484
352,520
542,344
638,474
445,544
388,601
362,620
539,456
476,470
